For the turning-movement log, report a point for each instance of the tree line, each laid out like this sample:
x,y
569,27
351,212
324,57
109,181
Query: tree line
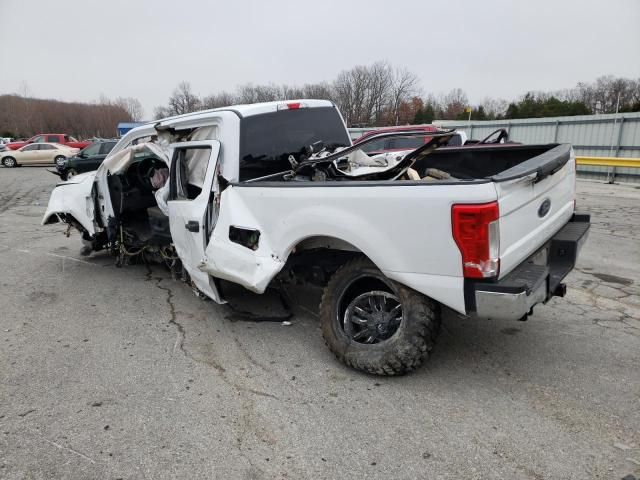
x,y
367,95
23,116
381,94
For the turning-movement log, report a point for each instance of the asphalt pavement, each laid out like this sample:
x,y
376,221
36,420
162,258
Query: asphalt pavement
x,y
124,373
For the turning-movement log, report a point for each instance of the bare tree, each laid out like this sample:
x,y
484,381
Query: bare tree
x,y
403,87
268,93
247,94
380,94
222,99
183,100
454,103
29,116
361,78
352,92
602,95
494,107
343,89
132,106
25,93
381,80
322,91
161,112
250,93
292,92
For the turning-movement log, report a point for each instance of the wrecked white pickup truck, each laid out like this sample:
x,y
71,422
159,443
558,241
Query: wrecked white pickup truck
x,y
274,193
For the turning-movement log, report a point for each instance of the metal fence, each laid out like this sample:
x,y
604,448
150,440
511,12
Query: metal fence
x,y
605,135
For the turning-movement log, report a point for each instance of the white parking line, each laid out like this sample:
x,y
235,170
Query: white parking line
x,y
49,254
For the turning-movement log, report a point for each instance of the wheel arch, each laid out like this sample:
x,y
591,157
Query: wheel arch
x,y
322,241
315,258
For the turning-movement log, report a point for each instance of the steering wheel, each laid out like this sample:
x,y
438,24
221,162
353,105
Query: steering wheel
x,y
503,135
144,179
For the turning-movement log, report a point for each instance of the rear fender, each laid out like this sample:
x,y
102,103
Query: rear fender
x,y
249,267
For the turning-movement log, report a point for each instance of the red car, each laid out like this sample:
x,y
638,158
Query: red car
x,y
60,138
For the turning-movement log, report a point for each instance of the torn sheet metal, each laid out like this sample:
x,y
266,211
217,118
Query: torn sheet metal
x,y
353,164
226,259
73,197
120,161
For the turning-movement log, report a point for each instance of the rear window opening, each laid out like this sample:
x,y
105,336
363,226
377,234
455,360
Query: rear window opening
x,y
267,140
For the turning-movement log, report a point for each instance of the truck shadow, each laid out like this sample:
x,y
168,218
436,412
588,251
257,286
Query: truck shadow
x,y
465,345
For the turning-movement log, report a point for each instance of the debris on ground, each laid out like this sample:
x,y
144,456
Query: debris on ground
x,y
621,446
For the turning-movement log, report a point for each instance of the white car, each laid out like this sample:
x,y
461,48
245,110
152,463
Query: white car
x,y
37,153
274,193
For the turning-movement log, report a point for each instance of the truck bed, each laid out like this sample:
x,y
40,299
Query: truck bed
x,y
495,162
404,226
480,163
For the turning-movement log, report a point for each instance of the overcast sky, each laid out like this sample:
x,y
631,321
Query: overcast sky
x,y
81,49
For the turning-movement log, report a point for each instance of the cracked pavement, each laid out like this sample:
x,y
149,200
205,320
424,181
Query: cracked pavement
x,y
114,373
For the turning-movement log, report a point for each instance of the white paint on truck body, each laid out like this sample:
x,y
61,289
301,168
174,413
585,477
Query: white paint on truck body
x,y
73,197
522,230
404,229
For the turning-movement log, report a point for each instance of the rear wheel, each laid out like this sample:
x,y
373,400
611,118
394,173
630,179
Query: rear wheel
x,y
9,162
60,160
374,324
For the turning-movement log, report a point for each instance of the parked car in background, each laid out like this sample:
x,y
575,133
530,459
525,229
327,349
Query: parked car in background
x,y
87,160
37,153
61,138
399,144
499,136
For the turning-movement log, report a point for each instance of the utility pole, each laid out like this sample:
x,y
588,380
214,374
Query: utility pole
x,y
611,174
468,110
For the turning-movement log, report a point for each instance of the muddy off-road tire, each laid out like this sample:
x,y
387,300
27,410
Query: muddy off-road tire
x,y
374,324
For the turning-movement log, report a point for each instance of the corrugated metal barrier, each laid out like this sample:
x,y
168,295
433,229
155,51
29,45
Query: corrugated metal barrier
x,y
607,145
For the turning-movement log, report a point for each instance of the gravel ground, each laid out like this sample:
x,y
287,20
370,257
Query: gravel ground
x,y
114,373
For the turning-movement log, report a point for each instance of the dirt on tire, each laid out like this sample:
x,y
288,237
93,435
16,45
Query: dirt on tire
x,y
410,345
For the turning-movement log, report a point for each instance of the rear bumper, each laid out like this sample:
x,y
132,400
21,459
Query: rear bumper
x,y
534,281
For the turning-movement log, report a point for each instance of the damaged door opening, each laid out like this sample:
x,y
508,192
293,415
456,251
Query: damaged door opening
x,y
191,211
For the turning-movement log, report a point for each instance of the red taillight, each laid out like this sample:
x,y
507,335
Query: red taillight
x,y
293,106
476,232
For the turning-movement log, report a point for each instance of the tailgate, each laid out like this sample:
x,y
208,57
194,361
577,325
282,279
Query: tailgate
x,y
535,205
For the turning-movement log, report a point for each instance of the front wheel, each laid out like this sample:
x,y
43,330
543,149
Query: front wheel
x,y
60,160
374,324
70,174
9,162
